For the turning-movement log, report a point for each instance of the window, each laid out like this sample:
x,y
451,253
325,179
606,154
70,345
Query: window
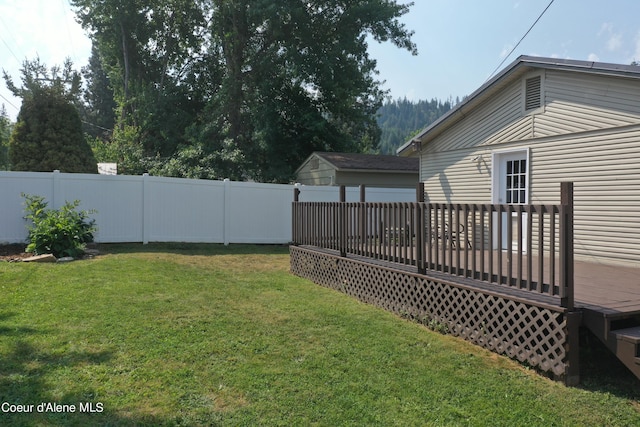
x,y
516,185
314,164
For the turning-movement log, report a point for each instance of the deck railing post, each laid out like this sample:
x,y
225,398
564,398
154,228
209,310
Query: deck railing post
x,y
566,245
362,219
418,231
295,223
572,349
342,213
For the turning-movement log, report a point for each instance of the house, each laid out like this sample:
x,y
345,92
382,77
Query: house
x,y
353,169
537,123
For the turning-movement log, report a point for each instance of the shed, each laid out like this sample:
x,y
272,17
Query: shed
x,y
537,123
352,169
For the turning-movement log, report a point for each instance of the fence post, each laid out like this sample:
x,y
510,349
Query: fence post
x,y
227,212
146,208
342,213
56,191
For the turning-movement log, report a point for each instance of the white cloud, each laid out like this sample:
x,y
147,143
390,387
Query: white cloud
x,y
593,57
614,38
615,42
605,28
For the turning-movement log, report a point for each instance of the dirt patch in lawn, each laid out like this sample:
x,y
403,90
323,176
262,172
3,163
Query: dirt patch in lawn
x,y
13,252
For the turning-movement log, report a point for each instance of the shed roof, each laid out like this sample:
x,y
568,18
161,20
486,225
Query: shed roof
x,y
369,162
517,68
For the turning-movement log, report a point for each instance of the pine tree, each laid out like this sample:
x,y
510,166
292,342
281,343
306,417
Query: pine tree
x,y
48,136
400,119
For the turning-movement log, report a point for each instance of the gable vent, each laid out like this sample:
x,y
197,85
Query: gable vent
x,y
533,93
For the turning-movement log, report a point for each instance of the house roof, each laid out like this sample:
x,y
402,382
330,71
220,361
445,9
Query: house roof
x,y
516,69
368,162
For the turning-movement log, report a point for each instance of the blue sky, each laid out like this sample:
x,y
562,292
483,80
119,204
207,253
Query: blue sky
x,y
460,42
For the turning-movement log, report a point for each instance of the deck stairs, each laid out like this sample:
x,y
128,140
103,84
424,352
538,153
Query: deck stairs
x,y
620,332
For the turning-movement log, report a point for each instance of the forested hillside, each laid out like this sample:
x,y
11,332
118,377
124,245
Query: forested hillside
x,y
400,119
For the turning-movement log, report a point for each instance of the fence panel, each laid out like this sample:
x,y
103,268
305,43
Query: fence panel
x,y
148,209
258,213
182,210
117,200
12,224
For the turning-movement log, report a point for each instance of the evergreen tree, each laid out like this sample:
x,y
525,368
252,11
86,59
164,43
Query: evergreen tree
x,y
400,119
48,133
5,133
48,136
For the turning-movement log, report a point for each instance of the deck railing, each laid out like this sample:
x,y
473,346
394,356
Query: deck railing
x,y
528,247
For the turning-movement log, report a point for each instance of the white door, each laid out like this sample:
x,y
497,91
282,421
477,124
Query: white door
x,y
510,187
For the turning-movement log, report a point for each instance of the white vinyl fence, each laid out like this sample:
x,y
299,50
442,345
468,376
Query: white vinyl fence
x,y
158,209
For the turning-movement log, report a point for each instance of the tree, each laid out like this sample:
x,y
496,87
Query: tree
x,y
297,77
48,136
400,119
146,49
63,81
98,110
5,133
276,80
48,133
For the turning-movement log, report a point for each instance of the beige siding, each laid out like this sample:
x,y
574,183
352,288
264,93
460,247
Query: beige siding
x,y
574,102
454,177
578,102
377,179
323,175
605,169
588,132
499,119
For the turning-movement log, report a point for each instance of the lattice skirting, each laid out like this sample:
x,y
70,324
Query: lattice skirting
x,y
526,332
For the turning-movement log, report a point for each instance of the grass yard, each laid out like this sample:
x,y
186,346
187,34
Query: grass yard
x,y
214,335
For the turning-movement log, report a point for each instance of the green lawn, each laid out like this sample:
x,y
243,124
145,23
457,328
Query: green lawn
x,y
214,335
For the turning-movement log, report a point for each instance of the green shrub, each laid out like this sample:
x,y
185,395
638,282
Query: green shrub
x,y
61,232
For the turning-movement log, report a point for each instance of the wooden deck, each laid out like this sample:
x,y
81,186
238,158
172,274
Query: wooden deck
x,y
465,247
598,287
602,287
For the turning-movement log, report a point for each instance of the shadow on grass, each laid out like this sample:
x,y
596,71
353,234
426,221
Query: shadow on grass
x,y
27,376
193,248
601,371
